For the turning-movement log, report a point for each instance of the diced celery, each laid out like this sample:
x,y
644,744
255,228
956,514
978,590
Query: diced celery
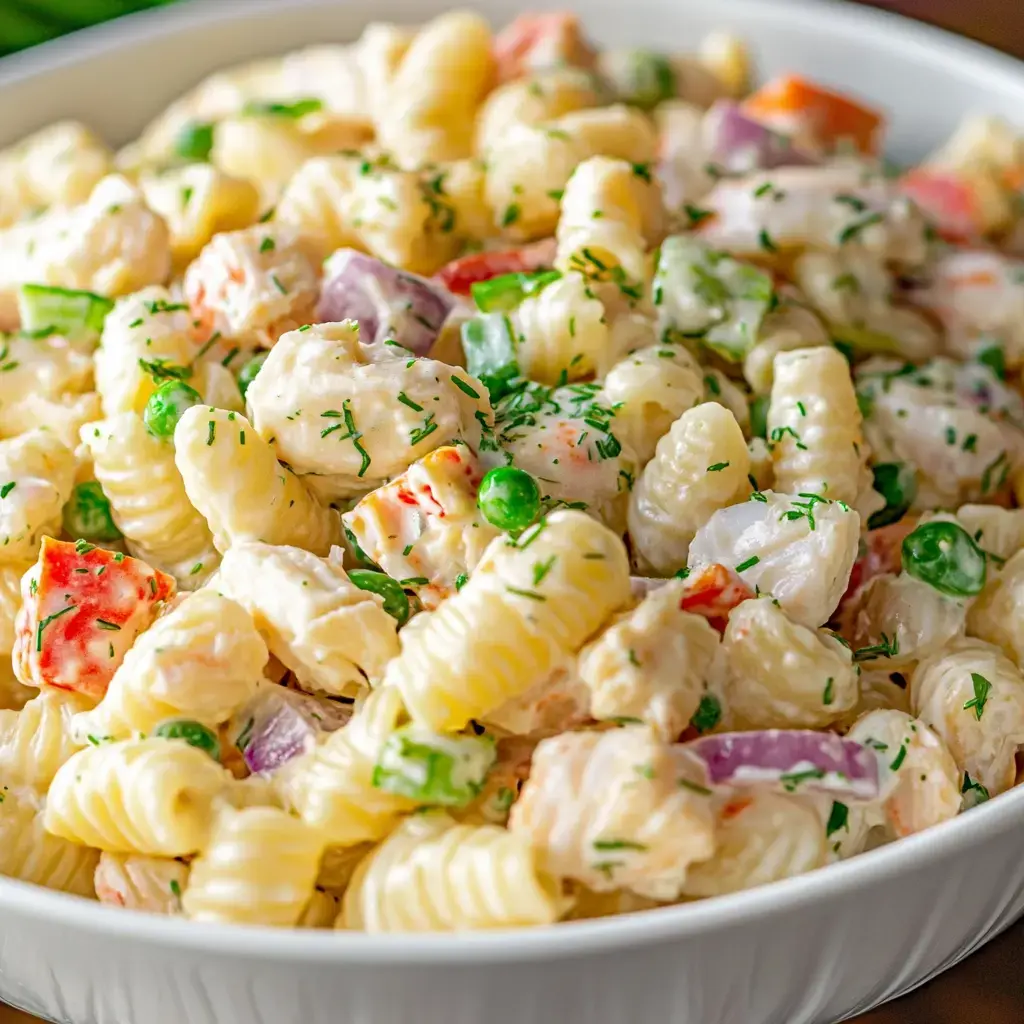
x,y
503,294
61,310
433,768
489,347
706,294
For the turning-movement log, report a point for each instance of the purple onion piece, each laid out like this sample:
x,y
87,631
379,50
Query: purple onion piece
x,y
738,143
387,303
793,760
279,724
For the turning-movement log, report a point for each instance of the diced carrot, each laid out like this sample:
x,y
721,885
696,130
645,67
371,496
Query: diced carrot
x,y
82,609
458,275
535,41
947,200
713,592
790,103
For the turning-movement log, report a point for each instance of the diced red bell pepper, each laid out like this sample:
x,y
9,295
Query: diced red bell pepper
x,y
458,275
947,200
82,608
713,591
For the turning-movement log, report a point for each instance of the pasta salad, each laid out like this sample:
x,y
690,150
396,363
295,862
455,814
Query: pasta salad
x,y
464,480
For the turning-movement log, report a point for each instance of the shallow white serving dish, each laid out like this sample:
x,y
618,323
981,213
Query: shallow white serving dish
x,y
812,949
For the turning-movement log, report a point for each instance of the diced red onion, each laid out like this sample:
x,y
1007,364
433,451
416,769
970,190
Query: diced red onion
x,y
793,760
388,303
736,142
279,724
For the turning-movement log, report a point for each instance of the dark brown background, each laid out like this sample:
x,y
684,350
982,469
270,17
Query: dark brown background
x,y
988,988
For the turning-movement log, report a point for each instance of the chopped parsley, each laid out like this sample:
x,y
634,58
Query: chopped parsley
x,y
982,689
838,818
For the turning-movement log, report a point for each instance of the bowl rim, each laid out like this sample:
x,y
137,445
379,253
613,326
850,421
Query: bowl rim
x,y
574,939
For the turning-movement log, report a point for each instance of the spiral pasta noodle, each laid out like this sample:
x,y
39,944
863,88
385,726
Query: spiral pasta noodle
x,y
512,623
152,797
435,875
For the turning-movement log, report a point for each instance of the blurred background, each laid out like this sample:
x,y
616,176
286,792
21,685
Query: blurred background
x,y
987,988
27,22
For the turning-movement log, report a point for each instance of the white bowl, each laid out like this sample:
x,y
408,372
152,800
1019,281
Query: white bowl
x,y
811,949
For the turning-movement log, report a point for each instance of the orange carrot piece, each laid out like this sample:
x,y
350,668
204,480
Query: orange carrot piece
x,y
791,101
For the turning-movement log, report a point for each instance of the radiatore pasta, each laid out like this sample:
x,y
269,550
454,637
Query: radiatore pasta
x,y
473,478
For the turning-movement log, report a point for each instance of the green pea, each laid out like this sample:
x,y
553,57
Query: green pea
x,y
944,556
248,372
195,141
509,498
87,514
396,603
650,78
897,483
195,734
167,405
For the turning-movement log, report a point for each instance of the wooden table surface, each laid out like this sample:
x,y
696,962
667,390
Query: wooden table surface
x,y
988,988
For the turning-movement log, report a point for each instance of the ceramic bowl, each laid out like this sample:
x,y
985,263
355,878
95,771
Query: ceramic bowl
x,y
811,949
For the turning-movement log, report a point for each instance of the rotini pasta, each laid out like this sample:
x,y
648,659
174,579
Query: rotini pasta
x,y
336,410
429,117
996,615
201,661
233,478
29,853
152,797
528,168
760,837
700,466
972,695
38,473
197,202
258,867
814,429
58,166
610,213
148,501
512,623
353,417
615,810
650,389
651,664
331,634
435,875
112,244
332,790
37,740
782,675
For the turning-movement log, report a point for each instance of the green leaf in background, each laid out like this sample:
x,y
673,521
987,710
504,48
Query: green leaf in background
x,y
28,22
